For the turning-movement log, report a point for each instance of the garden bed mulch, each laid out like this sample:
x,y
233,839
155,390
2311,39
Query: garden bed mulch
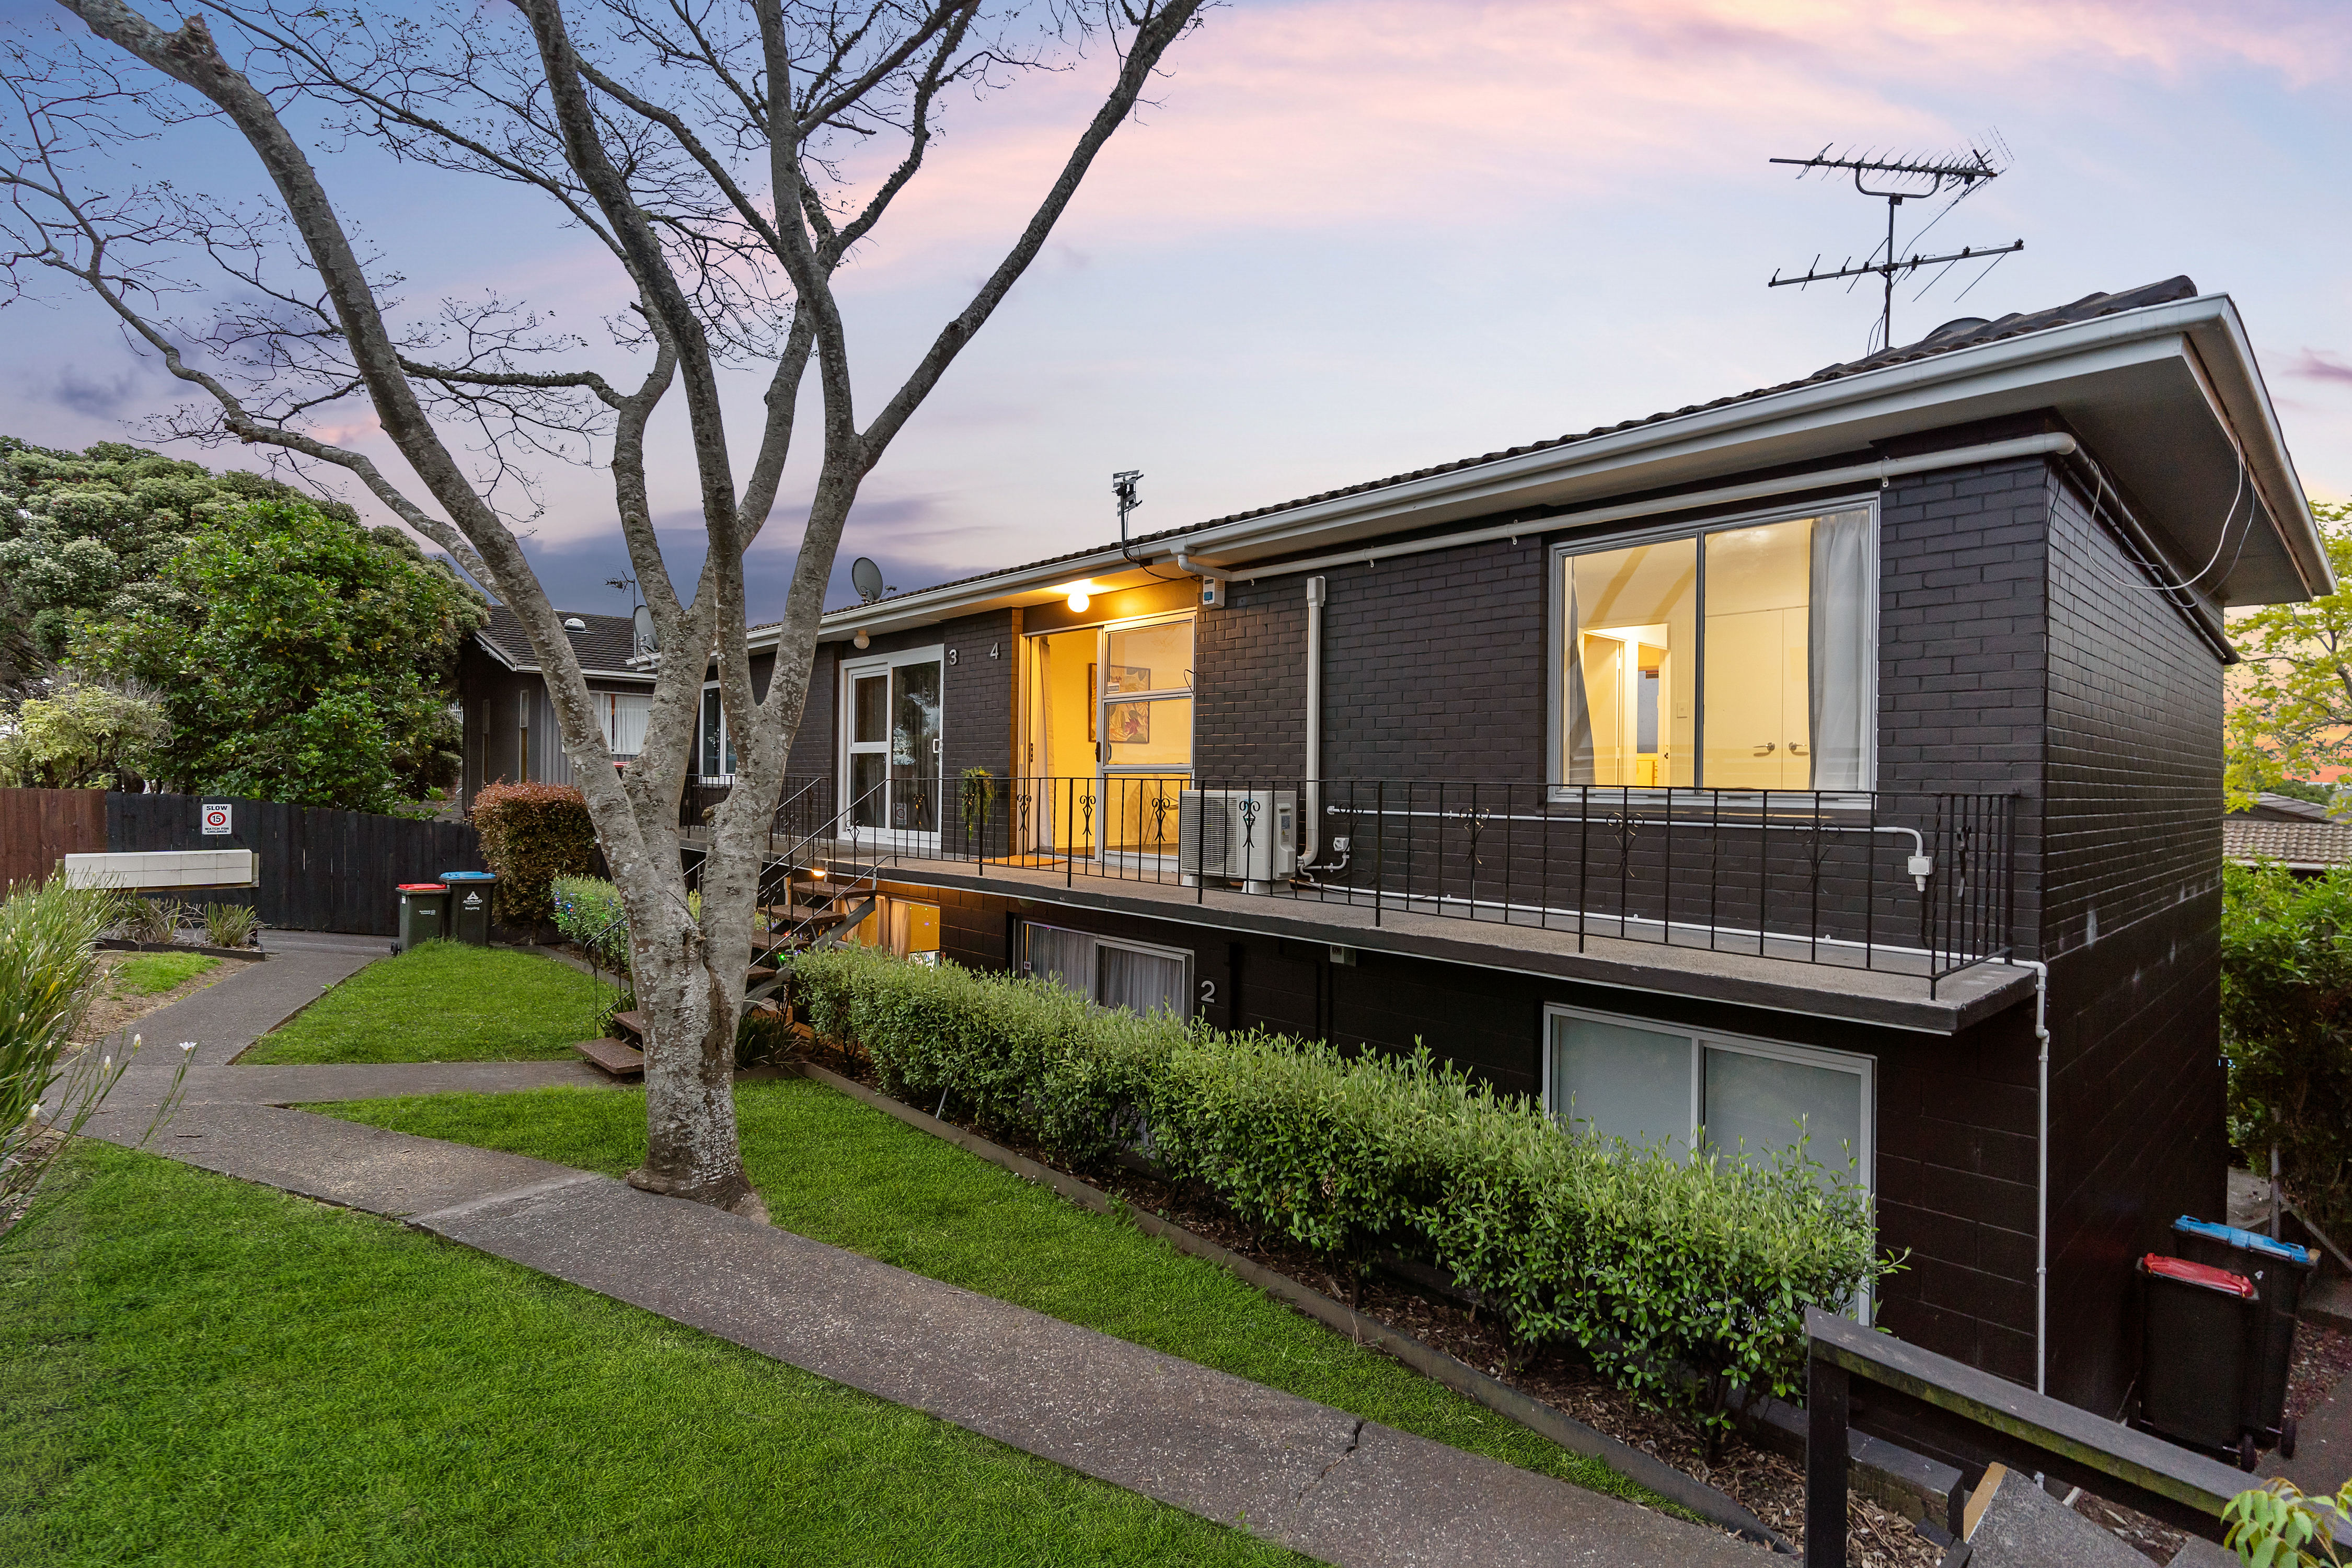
x,y
1766,1484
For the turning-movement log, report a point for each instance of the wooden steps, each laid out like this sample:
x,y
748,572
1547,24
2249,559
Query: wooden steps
x,y
614,1057
632,1025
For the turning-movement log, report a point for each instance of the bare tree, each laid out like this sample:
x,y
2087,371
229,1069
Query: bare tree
x,y
714,148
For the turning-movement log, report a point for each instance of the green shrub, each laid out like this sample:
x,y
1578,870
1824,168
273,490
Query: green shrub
x,y
1650,1262
532,834
231,925
588,912
2287,1028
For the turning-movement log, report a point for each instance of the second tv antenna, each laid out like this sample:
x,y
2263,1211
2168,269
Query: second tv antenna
x,y
1900,180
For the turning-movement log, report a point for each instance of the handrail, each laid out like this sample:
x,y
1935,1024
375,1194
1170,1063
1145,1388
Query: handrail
x,y
1858,1379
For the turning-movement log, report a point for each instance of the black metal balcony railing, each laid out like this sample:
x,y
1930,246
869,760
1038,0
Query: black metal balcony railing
x,y
1913,882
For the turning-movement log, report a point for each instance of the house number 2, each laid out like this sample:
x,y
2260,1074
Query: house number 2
x,y
1208,993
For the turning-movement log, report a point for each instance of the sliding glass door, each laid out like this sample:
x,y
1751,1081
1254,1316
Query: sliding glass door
x,y
1109,722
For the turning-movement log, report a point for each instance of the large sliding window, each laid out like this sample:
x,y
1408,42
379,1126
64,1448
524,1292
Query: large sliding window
x,y
1743,1099
1739,656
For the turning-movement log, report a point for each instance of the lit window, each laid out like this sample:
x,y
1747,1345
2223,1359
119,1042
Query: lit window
x,y
1736,657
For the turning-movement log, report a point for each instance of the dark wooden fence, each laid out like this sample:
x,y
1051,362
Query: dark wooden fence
x,y
37,826
321,870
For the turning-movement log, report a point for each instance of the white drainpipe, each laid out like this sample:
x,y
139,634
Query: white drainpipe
x,y
2041,1178
1309,839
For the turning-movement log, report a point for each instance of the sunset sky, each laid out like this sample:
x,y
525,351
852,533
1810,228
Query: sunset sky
x,y
1353,239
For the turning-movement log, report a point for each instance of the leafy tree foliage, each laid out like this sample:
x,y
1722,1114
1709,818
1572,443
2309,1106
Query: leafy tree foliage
x,y
301,659
2291,700
90,533
2286,1027
86,736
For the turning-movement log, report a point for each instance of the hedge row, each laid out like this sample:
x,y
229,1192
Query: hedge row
x,y
1651,1262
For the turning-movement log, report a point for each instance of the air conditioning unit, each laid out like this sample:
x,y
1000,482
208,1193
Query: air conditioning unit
x,y
1250,837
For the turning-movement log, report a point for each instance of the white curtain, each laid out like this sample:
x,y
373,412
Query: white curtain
x,y
1066,956
1580,716
1843,667
625,722
1141,982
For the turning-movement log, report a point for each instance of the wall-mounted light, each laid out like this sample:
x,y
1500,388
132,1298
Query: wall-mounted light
x,y
861,639
1078,593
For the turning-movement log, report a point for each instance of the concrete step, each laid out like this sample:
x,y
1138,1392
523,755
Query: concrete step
x,y
620,1060
2009,1522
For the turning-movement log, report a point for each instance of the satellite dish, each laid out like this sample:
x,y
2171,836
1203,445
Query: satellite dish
x,y
868,580
644,629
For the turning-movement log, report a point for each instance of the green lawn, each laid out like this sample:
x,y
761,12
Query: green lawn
x,y
842,1173
152,973
197,1371
444,1002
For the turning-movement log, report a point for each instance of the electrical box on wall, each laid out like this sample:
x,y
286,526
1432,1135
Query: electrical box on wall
x,y
1212,592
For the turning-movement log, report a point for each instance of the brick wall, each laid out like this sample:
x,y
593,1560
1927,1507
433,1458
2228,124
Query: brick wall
x,y
2134,811
1432,668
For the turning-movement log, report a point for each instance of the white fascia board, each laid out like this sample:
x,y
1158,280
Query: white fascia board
x,y
2226,356
1810,420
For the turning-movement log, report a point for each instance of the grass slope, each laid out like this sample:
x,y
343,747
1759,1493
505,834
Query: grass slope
x,y
443,1002
197,1371
840,1173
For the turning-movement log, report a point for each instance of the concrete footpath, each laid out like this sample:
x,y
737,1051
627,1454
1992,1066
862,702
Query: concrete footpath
x,y
1286,1469
240,1008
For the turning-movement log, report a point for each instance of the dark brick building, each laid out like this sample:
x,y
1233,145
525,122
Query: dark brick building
x,y
1845,755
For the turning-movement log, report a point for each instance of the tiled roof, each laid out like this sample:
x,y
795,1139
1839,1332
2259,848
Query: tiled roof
x,y
606,644
1968,332
2296,843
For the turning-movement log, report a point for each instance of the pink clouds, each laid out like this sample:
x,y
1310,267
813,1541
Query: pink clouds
x,y
1408,112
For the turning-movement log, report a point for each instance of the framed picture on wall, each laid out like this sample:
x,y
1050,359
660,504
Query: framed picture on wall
x,y
1129,723
1126,678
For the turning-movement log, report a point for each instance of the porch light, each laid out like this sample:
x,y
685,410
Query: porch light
x,y
1078,593
861,639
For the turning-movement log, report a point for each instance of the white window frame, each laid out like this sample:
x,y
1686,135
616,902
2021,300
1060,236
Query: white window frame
x,y
609,702
883,664
1556,639
1180,954
1860,1064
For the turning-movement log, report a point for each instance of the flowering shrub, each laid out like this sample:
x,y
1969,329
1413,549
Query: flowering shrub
x,y
1649,1261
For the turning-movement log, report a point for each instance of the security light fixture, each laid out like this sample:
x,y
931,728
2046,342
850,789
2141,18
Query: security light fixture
x,y
1079,594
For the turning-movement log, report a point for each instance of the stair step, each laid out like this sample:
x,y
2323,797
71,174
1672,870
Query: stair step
x,y
758,975
620,1060
632,1024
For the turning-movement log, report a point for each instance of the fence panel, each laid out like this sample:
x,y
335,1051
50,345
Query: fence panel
x,y
321,870
40,826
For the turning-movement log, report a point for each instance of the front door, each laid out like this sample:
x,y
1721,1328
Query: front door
x,y
1109,736
893,725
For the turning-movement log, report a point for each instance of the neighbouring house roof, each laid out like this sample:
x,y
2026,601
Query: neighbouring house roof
x,y
603,649
2269,807
2160,378
2302,845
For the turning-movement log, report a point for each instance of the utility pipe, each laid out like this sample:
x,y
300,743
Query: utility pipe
x,y
1309,840
1874,473
2041,1177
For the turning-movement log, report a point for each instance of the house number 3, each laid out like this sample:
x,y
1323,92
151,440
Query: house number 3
x,y
1208,993
952,656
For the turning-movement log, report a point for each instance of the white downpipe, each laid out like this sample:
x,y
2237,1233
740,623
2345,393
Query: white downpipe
x,y
1309,839
2041,1177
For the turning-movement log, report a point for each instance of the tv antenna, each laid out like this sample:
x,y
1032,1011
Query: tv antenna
x,y
1907,180
868,579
